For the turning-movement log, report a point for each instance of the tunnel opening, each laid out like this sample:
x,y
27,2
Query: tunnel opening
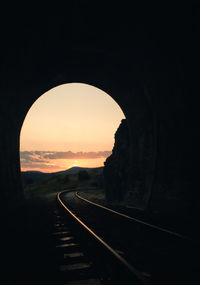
x,y
67,135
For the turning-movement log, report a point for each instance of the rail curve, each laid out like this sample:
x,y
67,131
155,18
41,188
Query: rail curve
x,y
125,267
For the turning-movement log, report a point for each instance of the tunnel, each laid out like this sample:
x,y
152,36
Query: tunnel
x,y
146,67
146,59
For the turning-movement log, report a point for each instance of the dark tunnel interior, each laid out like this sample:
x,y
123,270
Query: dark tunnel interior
x,y
147,60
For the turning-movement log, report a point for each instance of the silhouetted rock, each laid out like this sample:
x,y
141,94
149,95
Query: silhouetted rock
x,y
117,165
149,174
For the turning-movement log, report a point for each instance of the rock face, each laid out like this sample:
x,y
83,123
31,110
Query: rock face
x,y
145,169
117,165
128,171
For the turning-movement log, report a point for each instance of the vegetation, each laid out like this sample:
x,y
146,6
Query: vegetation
x,y
89,184
51,184
83,175
94,195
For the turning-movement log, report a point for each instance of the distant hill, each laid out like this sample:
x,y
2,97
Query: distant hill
x,y
32,177
73,170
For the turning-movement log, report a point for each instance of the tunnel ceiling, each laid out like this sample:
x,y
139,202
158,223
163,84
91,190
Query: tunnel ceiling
x,y
99,45
49,39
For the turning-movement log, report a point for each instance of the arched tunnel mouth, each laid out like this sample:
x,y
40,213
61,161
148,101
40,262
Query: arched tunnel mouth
x,y
75,135
144,60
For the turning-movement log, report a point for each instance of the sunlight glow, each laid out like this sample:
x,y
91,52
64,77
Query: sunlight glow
x,y
71,121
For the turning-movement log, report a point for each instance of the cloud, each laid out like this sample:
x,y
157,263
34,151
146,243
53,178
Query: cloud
x,y
39,166
32,156
45,159
44,156
77,155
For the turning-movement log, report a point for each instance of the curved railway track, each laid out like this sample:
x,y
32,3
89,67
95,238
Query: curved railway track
x,y
111,267
125,250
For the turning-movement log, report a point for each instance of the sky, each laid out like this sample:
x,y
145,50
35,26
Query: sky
x,y
70,125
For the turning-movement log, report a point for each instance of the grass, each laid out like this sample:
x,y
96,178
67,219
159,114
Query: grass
x,y
50,185
58,183
94,194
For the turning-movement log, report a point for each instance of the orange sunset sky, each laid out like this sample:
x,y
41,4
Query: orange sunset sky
x,y
70,125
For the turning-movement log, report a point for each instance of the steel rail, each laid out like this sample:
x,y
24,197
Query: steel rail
x,y
133,219
120,259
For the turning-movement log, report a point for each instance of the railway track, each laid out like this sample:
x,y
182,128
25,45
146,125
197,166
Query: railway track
x,y
157,228
119,249
83,257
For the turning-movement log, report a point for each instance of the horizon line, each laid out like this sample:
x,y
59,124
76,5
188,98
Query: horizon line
x,y
61,170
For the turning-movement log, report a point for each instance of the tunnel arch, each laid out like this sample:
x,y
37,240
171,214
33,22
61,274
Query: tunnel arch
x,y
133,64
126,87
141,100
